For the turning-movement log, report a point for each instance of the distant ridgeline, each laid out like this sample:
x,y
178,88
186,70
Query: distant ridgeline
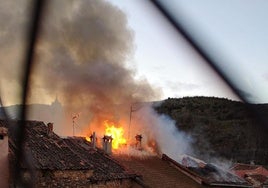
x,y
221,127
40,112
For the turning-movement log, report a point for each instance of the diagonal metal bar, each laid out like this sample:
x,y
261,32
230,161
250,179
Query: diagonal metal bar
x,y
260,119
198,48
3,109
29,60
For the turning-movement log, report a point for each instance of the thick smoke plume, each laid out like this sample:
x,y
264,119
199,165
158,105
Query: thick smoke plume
x,y
82,57
161,132
14,17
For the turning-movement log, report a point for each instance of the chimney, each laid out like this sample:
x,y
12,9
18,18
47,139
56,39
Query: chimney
x,y
138,141
107,144
49,129
4,162
93,140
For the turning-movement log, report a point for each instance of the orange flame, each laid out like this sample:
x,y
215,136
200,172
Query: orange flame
x,y
116,133
88,139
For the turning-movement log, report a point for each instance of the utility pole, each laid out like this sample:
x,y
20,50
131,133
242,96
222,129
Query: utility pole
x,y
73,126
130,114
132,109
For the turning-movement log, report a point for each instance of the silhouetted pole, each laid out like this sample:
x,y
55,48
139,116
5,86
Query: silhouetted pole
x,y
74,117
73,123
130,115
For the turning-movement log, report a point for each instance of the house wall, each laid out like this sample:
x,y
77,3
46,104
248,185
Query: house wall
x,y
77,178
62,178
125,183
73,174
4,162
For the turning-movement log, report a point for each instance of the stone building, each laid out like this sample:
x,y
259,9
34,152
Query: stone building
x,y
52,161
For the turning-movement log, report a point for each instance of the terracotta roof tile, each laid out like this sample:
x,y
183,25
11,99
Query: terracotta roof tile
x,y
49,151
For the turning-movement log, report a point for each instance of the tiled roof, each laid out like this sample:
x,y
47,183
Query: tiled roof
x,y
51,152
242,169
210,174
253,173
105,167
240,166
214,175
157,173
258,177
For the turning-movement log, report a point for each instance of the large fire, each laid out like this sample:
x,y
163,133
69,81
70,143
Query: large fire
x,y
117,134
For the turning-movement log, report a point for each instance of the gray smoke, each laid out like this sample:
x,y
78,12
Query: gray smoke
x,y
160,132
14,17
82,57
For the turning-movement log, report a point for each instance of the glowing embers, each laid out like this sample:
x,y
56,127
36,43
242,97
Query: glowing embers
x,y
117,133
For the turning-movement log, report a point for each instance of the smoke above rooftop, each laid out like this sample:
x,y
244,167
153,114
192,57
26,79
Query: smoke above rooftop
x,y
83,57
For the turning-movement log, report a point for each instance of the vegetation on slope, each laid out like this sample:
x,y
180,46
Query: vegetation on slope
x,y
220,127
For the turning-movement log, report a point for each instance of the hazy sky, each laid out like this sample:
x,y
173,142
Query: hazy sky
x,y
234,32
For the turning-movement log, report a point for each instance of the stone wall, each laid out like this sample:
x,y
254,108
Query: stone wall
x,y
125,183
73,174
62,178
77,178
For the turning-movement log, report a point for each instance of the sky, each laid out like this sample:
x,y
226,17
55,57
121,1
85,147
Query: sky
x,y
233,32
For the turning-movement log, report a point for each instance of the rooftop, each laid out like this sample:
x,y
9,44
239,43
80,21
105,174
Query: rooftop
x,y
51,152
157,173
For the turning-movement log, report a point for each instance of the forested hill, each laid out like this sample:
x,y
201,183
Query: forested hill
x,y
221,127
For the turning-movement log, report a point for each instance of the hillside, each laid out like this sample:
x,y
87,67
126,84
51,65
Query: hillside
x,y
221,127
